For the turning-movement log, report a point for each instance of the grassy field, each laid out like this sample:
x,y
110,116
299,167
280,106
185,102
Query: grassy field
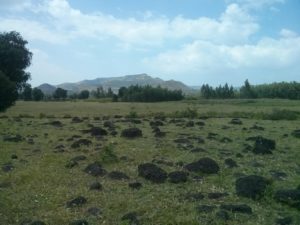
x,y
39,174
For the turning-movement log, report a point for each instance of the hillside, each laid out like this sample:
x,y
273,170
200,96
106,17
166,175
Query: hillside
x,y
116,82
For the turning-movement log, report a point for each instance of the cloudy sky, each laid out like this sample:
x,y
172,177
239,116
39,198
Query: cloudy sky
x,y
194,41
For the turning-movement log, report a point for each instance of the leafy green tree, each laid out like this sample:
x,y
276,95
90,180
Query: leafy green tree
x,y
27,93
37,94
14,59
84,94
60,93
247,91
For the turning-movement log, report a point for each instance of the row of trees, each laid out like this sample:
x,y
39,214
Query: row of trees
x,y
275,90
136,93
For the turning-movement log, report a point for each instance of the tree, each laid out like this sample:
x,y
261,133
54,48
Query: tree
x,y
60,93
84,94
247,91
37,94
14,59
27,93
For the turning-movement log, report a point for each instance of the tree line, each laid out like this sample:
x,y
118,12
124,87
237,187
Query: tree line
x,y
284,90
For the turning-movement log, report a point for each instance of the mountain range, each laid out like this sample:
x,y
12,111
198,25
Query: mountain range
x,y
115,83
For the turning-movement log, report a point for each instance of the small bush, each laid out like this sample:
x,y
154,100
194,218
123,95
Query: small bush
x,y
187,113
107,155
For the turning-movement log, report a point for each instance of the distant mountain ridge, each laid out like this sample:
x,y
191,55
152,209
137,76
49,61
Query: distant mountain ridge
x,y
115,83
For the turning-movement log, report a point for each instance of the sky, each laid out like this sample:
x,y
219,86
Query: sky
x,y
193,41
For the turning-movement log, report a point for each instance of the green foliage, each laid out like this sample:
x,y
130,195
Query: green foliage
x,y
108,155
14,59
223,92
8,92
60,94
37,94
132,114
136,93
281,114
247,91
27,93
84,94
188,113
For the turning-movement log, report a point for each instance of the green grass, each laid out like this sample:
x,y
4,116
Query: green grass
x,y
40,184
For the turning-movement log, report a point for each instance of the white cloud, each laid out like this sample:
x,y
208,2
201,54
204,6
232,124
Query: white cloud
x,y
203,56
235,25
256,4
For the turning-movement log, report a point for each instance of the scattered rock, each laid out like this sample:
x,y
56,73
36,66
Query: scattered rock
x,y
38,222
200,123
94,211
278,175
96,186
13,138
132,132
14,156
109,124
256,127
263,146
56,123
241,208
194,196
135,185
95,169
236,121
156,123
76,120
96,131
71,164
76,202
182,141
296,133
230,163
131,217
284,221
290,197
160,134
225,140
81,142
206,208
222,215
252,186
178,177
190,124
7,167
195,150
79,158
216,195
116,175
79,222
204,165
152,172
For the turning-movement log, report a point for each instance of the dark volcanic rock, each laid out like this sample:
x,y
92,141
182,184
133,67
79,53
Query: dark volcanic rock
x,y
296,133
131,132
152,172
156,123
71,164
278,175
94,211
96,186
252,186
14,156
236,121
178,177
79,201
76,120
225,140
230,163
204,165
290,197
205,208
263,146
216,195
56,123
7,167
38,222
135,185
159,134
95,169
256,127
131,217
241,208
81,142
117,175
109,124
96,131
284,221
79,158
182,141
13,138
194,196
79,222
222,215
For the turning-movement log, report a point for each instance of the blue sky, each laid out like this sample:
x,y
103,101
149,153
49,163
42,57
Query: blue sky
x,y
194,41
